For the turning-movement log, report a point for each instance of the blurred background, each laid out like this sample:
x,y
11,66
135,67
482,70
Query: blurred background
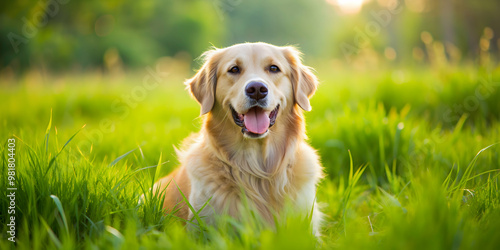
x,y
116,35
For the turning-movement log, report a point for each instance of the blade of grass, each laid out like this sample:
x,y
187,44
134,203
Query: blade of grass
x,y
47,133
51,233
353,179
121,157
61,212
196,216
468,171
158,168
58,153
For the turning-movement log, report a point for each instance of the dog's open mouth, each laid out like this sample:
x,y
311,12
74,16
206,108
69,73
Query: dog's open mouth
x,y
256,121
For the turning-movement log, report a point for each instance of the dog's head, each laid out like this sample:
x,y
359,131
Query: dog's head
x,y
253,83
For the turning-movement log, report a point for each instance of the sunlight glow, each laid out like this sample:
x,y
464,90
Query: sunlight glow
x,y
348,6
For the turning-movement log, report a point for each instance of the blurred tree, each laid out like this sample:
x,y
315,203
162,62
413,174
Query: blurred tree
x,y
60,34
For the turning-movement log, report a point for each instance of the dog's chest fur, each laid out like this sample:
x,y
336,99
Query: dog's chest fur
x,y
269,174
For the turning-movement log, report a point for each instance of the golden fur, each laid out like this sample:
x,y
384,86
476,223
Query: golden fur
x,y
220,161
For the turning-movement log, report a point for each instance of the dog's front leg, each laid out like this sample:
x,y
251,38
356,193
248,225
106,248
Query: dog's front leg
x,y
209,200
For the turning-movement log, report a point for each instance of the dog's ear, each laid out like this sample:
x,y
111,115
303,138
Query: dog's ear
x,y
304,82
202,85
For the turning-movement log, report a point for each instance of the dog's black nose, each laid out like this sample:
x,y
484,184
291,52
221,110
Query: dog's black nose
x,y
256,90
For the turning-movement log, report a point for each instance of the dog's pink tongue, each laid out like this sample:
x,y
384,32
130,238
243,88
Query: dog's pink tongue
x,y
256,121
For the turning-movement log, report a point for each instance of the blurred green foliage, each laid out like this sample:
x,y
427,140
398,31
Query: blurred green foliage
x,y
79,35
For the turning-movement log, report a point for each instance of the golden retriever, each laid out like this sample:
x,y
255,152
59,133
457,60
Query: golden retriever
x,y
252,138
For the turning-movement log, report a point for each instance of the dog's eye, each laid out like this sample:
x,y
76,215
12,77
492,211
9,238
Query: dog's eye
x,y
234,70
274,68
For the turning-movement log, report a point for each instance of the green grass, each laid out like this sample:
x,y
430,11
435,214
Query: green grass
x,y
416,179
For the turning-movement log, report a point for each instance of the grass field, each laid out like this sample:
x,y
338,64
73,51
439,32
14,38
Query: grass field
x,y
424,172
